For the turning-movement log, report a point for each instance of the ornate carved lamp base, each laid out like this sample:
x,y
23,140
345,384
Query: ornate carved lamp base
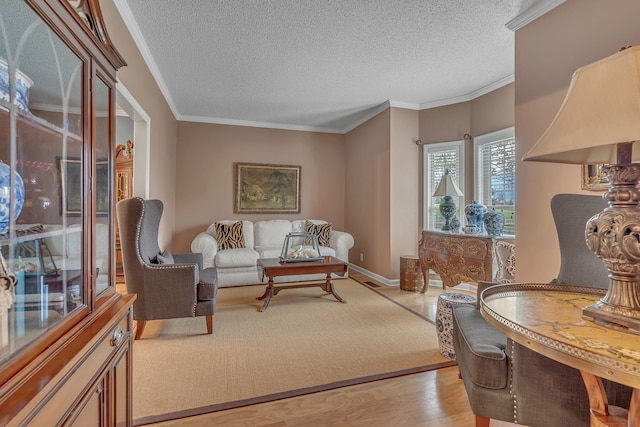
x,y
614,236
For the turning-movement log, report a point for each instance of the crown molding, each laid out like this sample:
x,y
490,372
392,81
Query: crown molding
x,y
138,38
253,124
493,86
384,106
469,96
405,105
534,12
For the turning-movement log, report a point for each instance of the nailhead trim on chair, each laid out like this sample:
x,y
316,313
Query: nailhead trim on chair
x,y
163,266
515,398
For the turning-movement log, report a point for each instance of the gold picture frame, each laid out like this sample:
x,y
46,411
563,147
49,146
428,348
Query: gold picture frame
x,y
265,188
593,179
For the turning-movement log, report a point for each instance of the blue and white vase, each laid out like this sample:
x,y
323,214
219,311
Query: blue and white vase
x,y
5,196
455,224
494,222
475,215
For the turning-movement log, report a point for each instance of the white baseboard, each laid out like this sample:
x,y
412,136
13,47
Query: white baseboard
x,y
384,280
396,282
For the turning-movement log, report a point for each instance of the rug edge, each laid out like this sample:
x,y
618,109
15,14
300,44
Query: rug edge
x,y
287,394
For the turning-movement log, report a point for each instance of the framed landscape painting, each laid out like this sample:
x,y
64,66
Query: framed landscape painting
x,y
71,191
593,179
262,188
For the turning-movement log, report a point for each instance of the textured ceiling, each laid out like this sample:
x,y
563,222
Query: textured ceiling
x,y
324,65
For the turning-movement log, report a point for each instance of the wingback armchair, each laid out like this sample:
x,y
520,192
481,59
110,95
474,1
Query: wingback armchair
x,y
168,285
509,382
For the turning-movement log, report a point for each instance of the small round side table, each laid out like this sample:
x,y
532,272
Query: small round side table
x,y
444,320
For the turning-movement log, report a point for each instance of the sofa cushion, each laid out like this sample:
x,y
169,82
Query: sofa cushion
x,y
269,251
321,231
229,236
271,233
480,347
243,257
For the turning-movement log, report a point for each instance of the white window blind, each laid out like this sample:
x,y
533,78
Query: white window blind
x,y
495,176
437,158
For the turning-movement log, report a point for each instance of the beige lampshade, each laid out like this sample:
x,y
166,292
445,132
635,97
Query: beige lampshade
x,y
601,109
447,186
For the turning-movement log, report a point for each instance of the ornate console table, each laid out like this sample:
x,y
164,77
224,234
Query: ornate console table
x,y
465,257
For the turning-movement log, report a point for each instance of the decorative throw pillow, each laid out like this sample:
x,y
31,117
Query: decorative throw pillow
x,y
229,236
321,231
164,257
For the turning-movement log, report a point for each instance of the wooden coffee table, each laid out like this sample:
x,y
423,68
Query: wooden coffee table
x,y
272,267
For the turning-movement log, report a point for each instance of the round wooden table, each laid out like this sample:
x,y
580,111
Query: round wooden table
x,y
547,319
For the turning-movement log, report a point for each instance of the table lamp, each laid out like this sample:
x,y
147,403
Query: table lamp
x,y
447,188
599,122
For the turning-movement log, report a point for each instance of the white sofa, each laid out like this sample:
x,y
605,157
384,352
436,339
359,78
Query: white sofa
x,y
263,239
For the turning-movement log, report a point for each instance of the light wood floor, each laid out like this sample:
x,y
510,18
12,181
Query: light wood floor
x,y
430,399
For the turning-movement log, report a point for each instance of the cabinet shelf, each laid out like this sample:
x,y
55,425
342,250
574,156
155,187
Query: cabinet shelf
x,y
26,120
5,239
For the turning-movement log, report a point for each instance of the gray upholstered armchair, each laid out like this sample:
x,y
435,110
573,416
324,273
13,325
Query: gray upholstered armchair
x,y
505,380
168,285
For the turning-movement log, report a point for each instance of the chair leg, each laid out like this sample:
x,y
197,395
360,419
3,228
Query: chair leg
x,y
139,328
482,421
209,324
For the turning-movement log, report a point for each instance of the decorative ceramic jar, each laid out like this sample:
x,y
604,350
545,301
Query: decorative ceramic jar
x,y
472,229
22,85
475,215
494,222
5,196
455,224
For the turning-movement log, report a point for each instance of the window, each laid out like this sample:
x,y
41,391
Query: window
x,y
495,174
437,158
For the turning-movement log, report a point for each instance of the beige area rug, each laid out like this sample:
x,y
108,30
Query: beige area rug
x,y
305,342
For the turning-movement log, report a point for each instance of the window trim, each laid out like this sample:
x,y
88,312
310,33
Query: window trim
x,y
478,142
427,182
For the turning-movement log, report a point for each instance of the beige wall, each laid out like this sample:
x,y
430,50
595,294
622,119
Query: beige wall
x,y
548,51
205,173
367,214
404,203
493,111
139,81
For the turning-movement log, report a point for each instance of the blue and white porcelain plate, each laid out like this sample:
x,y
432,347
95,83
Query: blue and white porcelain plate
x,y
22,85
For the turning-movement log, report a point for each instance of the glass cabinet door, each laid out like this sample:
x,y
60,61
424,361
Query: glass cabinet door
x,y
103,183
42,177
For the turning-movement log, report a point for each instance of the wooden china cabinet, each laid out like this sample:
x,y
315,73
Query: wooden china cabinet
x,y
65,334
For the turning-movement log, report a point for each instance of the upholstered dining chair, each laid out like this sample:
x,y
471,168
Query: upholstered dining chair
x,y
167,285
509,382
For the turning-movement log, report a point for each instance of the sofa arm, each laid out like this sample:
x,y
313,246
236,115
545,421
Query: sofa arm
x,y
207,245
341,242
